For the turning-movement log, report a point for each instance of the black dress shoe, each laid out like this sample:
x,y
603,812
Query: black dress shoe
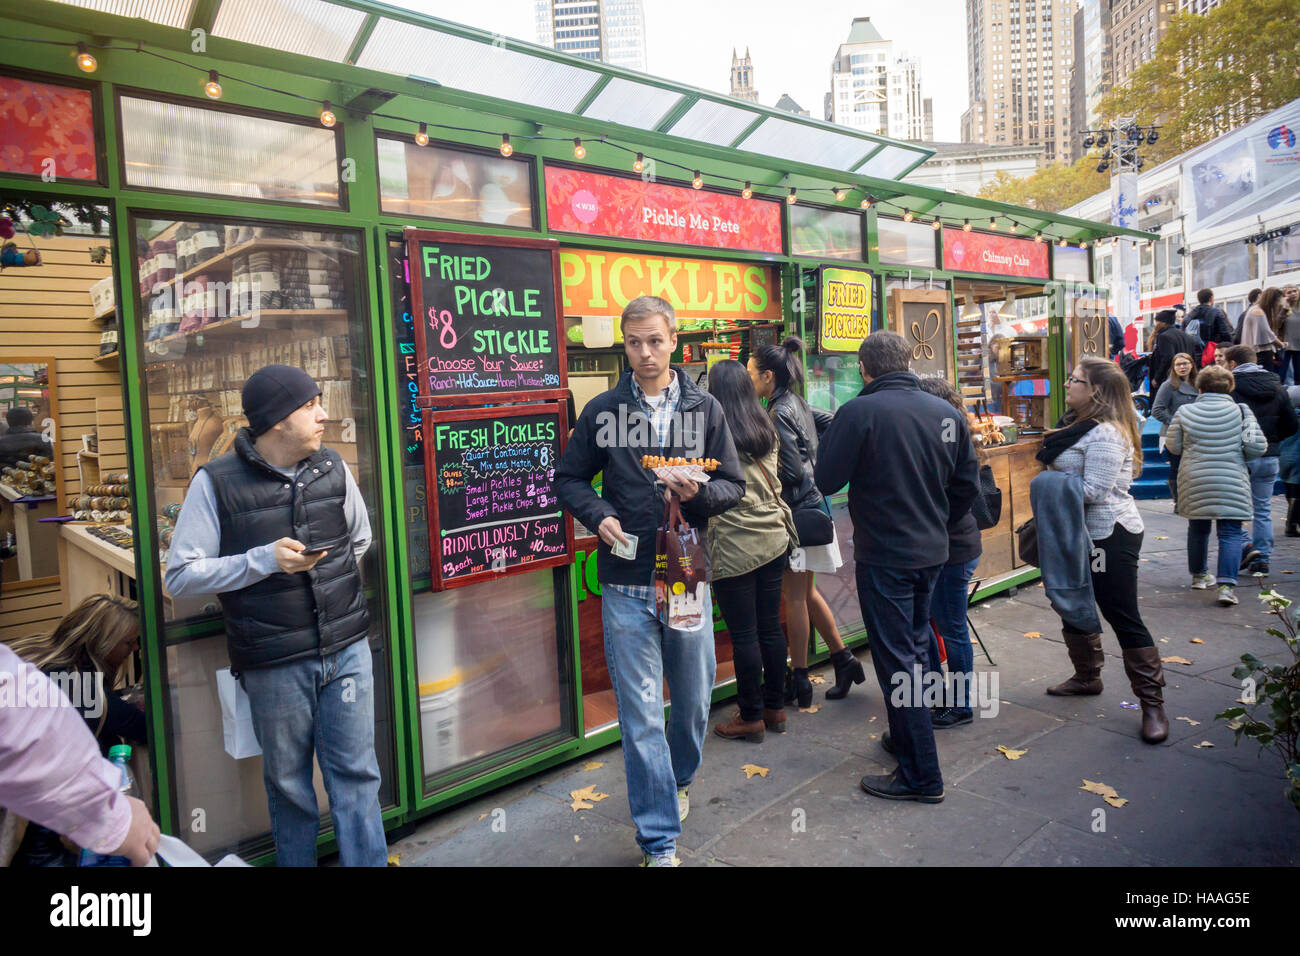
x,y
888,787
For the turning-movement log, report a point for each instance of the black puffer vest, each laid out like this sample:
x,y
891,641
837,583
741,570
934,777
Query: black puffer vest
x,y
286,617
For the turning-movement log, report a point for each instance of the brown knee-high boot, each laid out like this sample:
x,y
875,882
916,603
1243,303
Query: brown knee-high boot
x,y
1142,665
1087,657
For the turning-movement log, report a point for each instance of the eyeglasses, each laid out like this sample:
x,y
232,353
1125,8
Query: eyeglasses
x,y
1072,380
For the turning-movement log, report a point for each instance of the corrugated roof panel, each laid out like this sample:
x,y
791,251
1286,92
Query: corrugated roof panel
x,y
806,144
632,104
476,67
170,13
712,122
890,162
308,27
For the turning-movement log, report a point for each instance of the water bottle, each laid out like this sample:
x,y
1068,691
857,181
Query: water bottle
x,y
120,755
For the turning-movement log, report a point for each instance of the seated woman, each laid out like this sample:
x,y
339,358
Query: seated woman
x,y
84,655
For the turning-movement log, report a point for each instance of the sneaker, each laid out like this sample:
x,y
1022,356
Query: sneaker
x,y
944,717
1259,568
664,859
683,803
1203,581
888,787
1227,595
1249,557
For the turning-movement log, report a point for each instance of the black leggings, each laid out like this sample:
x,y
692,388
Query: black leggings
x,y
1114,585
751,606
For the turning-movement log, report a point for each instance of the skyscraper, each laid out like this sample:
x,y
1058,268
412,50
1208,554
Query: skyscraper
x,y
874,90
1092,73
612,31
1019,57
1137,26
742,77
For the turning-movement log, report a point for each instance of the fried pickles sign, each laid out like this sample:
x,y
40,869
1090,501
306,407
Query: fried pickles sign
x,y
846,299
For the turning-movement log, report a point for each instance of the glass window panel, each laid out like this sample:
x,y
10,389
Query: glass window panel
x,y
1224,265
889,163
454,184
632,104
806,144
228,154
1284,253
1162,264
825,233
172,13
309,27
712,122
1070,263
906,243
41,122
1175,277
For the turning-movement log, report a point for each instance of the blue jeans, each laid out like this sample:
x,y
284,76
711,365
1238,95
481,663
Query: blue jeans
x,y
948,611
896,609
1263,476
659,756
1198,548
329,703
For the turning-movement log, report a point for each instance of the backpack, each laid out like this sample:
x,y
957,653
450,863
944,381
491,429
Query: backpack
x,y
1193,328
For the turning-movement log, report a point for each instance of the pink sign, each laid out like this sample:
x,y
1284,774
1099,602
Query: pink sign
x,y
994,255
630,208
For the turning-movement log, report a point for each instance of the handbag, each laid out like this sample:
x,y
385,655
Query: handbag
x,y
814,525
682,573
1027,542
987,506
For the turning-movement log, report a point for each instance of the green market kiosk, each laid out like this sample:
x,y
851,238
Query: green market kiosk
x,y
442,227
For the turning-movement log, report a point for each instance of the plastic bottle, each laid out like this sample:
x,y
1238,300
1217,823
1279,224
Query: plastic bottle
x,y
120,755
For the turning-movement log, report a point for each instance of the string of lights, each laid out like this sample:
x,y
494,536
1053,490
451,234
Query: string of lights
x,y
212,87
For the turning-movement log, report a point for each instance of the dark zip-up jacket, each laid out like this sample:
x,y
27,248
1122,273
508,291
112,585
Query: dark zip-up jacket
x,y
612,434
1262,391
911,469
797,427
1214,326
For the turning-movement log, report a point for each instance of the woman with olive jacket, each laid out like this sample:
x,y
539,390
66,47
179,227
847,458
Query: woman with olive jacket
x,y
1216,436
777,375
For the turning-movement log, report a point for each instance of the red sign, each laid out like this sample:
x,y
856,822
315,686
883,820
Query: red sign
x,y
630,208
995,255
46,129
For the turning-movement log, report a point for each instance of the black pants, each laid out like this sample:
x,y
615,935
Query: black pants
x,y
1114,584
751,606
1173,475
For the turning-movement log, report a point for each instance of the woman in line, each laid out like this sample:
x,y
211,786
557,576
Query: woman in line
x,y
89,646
1259,328
1216,436
1176,391
778,377
749,544
951,595
1098,440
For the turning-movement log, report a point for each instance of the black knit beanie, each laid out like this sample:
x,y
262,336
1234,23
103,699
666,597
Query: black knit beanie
x,y
273,393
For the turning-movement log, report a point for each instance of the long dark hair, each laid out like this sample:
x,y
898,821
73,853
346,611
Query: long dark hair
x,y
751,429
1271,304
783,362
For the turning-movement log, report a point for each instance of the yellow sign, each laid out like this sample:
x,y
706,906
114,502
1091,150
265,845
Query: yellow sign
x,y
846,301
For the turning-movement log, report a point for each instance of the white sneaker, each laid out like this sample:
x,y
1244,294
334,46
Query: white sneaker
x,y
683,802
667,859
1203,581
1227,595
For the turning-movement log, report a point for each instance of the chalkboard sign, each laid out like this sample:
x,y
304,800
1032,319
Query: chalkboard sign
x,y
494,510
487,326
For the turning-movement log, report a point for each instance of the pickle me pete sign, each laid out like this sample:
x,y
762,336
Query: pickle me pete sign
x,y
994,255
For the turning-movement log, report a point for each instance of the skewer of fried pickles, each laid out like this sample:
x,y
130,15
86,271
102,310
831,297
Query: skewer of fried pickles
x,y
658,461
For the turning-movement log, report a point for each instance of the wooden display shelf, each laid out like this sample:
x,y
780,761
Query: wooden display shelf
x,y
1021,376
219,261
233,324
108,358
104,314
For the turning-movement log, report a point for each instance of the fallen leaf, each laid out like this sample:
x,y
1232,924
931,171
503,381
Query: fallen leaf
x,y
1033,634
752,769
593,765
1162,537
1194,723
1177,660
576,838
1164,640
395,860
1105,791
872,736
810,710
1197,640
1202,745
581,798
1288,572
869,721
481,816
1011,754
816,679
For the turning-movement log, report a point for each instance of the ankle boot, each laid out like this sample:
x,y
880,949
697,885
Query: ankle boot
x,y
1087,658
1147,677
740,729
848,671
801,687
774,720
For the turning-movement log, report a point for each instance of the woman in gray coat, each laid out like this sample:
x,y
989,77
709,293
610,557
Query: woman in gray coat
x,y
1216,436
1177,390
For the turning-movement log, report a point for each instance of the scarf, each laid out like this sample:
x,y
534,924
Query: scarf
x,y
1065,435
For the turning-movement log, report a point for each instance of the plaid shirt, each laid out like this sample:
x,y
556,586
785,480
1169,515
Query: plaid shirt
x,y
661,420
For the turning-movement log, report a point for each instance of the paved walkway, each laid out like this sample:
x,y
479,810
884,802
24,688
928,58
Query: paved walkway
x,y
1219,805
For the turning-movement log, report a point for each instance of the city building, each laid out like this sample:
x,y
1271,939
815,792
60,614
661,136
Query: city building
x,y
1019,54
873,89
1198,6
1092,73
742,77
968,167
1137,26
787,103
612,31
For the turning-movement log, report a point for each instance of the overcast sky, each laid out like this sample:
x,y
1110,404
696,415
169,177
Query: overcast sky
x,y
791,43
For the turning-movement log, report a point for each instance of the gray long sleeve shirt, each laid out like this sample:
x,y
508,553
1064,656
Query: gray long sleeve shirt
x,y
195,565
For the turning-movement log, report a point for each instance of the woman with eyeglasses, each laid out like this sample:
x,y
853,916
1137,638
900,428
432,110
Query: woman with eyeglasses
x,y
1098,439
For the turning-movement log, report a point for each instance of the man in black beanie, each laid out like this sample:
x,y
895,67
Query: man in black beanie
x,y
275,529
1169,341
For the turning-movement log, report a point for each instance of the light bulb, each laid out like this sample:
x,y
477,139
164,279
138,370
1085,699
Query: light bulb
x,y
327,117
506,148
936,225
965,226
422,135
792,198
86,61
993,222
840,193
1012,227
638,164
697,181
866,202
213,86
1038,238
579,151
1063,243
907,215
748,191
